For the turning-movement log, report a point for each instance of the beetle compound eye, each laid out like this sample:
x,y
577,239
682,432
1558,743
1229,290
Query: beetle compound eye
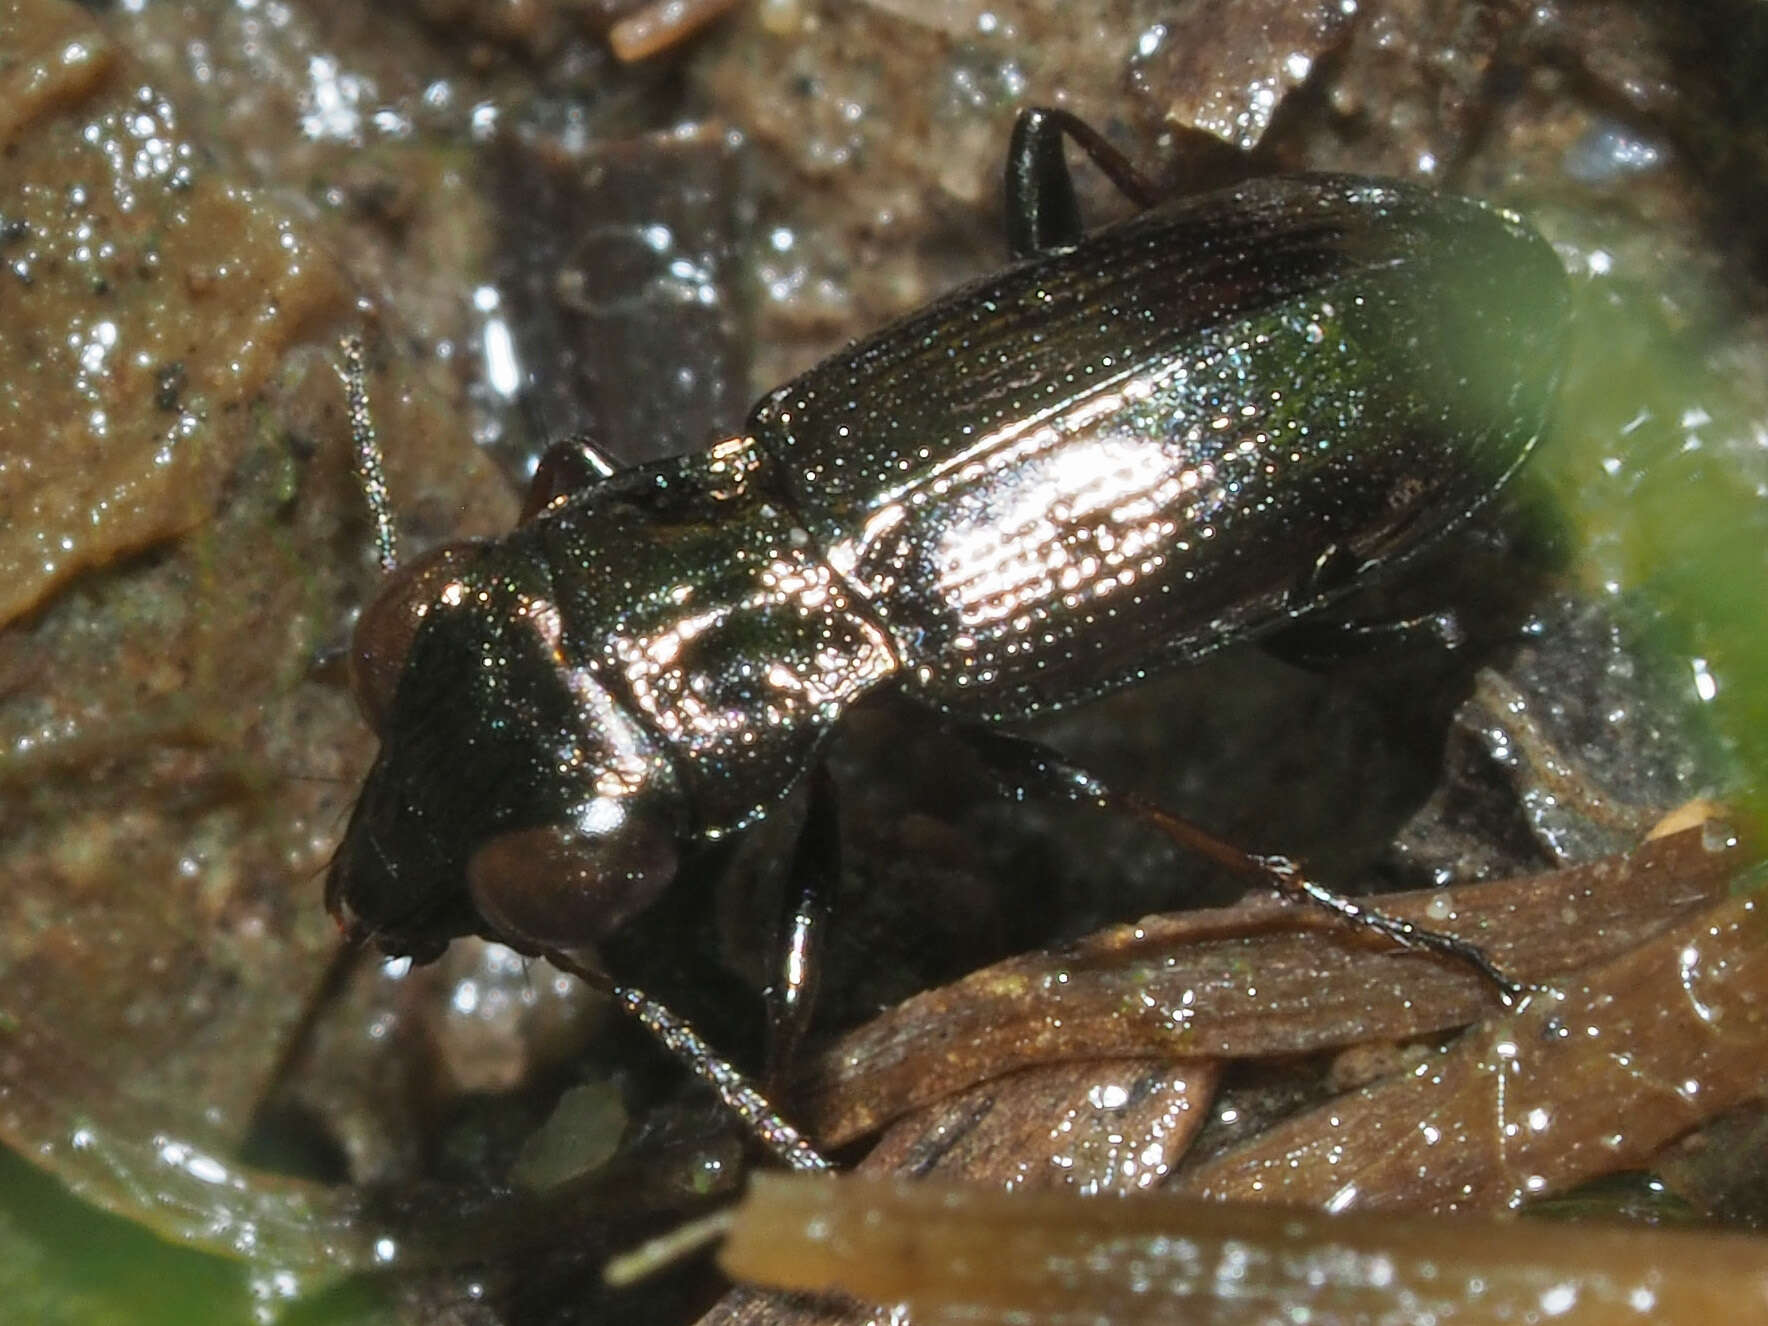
x,y
558,887
387,626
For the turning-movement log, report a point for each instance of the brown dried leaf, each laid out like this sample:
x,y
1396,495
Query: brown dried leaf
x,y
1261,978
1107,1126
1595,1075
1089,1128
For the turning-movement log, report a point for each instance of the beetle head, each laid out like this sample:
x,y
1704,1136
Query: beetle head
x,y
513,795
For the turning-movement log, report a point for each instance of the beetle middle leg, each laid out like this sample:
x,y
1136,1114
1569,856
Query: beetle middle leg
x,y
1317,642
1042,211
1030,767
1320,646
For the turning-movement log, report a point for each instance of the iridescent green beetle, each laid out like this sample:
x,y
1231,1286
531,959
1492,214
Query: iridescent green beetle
x,y
1124,451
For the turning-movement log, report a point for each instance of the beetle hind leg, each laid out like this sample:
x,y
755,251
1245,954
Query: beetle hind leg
x,y
1029,767
1042,211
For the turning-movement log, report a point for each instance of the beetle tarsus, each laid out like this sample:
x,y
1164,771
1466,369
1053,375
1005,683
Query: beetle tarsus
x,y
1288,878
738,1094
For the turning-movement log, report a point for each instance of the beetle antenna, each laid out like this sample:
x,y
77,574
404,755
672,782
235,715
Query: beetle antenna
x,y
739,1095
370,471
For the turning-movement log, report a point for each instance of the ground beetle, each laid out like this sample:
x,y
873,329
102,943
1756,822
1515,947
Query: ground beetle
x,y
1122,452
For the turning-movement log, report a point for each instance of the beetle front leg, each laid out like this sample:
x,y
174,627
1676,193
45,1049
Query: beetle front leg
x,y
568,466
809,898
1028,767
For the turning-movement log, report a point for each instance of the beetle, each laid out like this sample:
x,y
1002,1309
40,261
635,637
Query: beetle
x,y
1120,453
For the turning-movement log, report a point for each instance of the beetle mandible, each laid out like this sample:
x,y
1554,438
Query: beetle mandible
x,y
1120,453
